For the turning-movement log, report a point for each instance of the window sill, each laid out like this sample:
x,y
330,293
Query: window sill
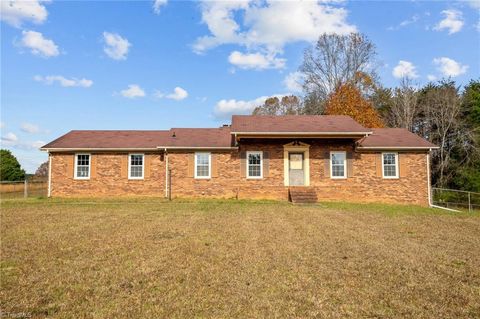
x,y
81,178
136,179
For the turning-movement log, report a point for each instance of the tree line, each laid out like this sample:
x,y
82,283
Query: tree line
x,y
339,77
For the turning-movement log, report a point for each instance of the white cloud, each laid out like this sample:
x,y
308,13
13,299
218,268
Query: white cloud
x,y
431,77
9,138
72,82
2,125
453,21
226,108
115,47
133,91
39,45
406,22
16,12
178,94
293,82
474,4
268,26
30,128
255,61
158,4
405,69
450,67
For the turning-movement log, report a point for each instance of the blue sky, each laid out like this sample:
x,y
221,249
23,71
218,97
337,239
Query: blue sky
x,y
161,64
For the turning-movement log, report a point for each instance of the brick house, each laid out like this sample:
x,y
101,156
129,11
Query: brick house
x,y
299,157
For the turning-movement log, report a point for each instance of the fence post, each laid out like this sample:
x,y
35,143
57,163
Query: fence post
x,y
25,189
469,203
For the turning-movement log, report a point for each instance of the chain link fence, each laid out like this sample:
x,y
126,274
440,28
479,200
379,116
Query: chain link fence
x,y
24,189
455,199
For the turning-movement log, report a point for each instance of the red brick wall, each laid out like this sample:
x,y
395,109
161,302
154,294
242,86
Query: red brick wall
x,y
363,186
107,178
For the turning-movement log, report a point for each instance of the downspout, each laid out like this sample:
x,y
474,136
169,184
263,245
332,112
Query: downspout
x,y
429,188
49,194
166,172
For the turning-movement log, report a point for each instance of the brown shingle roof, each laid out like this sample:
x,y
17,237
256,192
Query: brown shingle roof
x,y
199,137
296,124
394,138
184,137
109,139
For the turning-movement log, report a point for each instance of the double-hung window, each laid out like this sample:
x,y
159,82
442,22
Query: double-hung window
x,y
82,166
254,164
390,165
202,165
135,166
338,167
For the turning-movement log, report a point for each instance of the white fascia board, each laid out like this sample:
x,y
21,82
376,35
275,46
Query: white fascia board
x,y
396,147
64,149
301,133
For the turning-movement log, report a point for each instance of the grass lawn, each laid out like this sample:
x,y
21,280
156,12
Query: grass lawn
x,y
148,258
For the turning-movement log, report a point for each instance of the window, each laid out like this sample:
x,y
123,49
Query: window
x,y
202,165
338,165
135,166
390,165
82,166
254,164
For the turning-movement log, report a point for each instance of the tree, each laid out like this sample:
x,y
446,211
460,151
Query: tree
x,y
382,100
466,157
42,170
288,105
347,100
10,169
336,60
440,124
404,108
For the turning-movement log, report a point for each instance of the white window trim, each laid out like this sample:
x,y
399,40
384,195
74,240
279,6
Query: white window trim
x,y
261,164
89,166
344,165
396,166
130,165
209,166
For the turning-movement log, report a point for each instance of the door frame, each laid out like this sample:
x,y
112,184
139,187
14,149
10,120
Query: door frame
x,y
296,147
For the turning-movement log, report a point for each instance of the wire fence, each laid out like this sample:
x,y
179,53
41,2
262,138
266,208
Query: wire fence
x,y
24,189
456,199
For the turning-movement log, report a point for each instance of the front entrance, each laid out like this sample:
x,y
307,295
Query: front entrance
x,y
296,171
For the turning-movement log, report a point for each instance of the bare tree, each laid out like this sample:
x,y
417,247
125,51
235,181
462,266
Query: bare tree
x,y
403,111
335,60
441,108
42,171
287,105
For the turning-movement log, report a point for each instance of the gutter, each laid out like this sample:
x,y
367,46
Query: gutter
x,y
65,149
79,149
429,148
301,133
198,147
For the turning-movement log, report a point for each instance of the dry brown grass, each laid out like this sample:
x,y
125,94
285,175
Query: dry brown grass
x,y
149,259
